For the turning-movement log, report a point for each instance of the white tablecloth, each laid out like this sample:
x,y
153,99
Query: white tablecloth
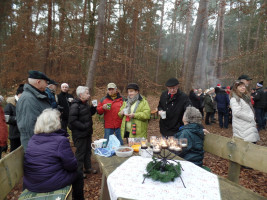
x,y
126,181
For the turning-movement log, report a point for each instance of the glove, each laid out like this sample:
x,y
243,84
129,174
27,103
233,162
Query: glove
x,y
4,148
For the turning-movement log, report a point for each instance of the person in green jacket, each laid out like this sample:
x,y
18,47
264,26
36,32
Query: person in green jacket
x,y
135,113
208,103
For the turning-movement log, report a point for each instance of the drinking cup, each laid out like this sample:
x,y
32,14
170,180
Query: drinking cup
x,y
104,142
163,114
7,118
97,144
94,102
108,106
125,111
70,100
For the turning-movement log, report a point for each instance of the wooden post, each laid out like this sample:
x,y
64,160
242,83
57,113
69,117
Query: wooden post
x,y
234,171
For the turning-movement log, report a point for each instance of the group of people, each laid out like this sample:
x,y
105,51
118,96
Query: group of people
x,y
38,118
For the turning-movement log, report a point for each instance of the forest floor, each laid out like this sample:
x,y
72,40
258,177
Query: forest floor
x,y
249,178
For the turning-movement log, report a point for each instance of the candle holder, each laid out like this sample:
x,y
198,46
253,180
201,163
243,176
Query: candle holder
x,y
164,150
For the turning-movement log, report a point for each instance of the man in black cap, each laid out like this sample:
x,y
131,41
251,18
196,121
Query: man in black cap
x,y
259,105
31,104
174,102
245,79
50,91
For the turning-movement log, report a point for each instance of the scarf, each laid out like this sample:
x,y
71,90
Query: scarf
x,y
130,102
114,96
246,99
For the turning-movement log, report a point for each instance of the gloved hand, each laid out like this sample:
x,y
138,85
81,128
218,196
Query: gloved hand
x,y
4,148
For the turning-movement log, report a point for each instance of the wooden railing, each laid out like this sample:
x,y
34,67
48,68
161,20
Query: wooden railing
x,y
238,152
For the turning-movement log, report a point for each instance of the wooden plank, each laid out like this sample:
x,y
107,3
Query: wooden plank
x,y
237,150
11,171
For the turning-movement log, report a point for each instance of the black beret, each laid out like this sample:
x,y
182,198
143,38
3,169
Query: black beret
x,y
38,75
53,82
133,86
172,82
245,77
20,89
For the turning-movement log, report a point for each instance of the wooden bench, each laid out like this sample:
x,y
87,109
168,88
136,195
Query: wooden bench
x,y
11,172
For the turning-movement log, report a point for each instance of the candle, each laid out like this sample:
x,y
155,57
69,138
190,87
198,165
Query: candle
x,y
156,150
177,148
171,147
184,145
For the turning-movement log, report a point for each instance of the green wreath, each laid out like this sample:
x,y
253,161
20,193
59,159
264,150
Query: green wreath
x,y
170,172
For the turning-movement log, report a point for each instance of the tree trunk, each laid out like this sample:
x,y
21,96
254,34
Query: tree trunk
x,y
186,44
160,36
97,46
49,31
221,38
190,66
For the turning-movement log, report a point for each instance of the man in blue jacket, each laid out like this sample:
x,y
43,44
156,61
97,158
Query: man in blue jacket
x,y
223,102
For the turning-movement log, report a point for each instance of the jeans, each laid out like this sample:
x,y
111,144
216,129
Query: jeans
x,y
111,131
223,119
259,112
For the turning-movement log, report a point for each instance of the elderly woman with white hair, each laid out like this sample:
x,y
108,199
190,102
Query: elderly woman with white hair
x,y
64,100
49,163
193,132
81,125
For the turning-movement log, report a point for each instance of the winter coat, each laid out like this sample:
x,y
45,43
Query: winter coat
x,y
49,163
80,119
223,101
259,99
195,99
30,105
112,120
3,129
201,97
63,102
141,117
51,97
243,122
208,103
10,109
175,108
194,151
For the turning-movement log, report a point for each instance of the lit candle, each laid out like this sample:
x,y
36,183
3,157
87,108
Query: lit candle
x,y
177,148
171,147
156,149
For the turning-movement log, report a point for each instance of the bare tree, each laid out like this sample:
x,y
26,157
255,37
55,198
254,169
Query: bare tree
x,y
97,45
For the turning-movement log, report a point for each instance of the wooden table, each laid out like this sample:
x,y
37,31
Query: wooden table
x,y
229,190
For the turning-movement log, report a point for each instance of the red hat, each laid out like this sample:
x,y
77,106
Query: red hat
x,y
218,85
228,87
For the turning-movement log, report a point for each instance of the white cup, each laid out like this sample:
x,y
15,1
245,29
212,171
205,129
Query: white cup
x,y
94,102
97,144
125,111
70,100
104,142
7,118
163,114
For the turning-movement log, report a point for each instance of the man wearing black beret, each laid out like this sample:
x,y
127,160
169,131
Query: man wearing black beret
x,y
174,102
245,79
31,104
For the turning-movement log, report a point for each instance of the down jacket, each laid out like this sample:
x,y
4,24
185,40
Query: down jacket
x,y
194,151
30,105
80,119
10,109
244,125
141,117
49,163
112,120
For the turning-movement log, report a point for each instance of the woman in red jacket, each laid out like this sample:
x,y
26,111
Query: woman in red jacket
x,y
110,106
3,129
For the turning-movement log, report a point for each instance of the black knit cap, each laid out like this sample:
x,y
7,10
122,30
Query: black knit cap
x,y
172,82
38,75
20,89
52,82
133,86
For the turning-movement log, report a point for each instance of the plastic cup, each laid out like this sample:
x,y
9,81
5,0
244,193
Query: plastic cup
x,y
163,114
7,118
94,102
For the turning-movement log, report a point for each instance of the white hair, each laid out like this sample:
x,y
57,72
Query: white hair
x,y
80,90
1,98
64,84
32,81
48,121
